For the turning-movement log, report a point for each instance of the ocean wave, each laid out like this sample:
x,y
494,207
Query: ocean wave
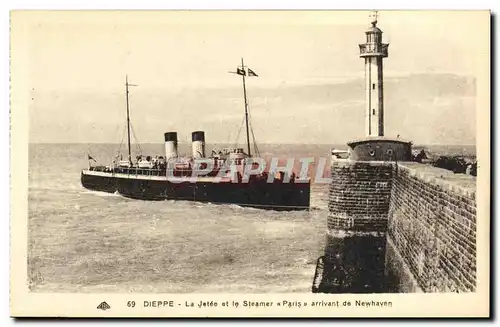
x,y
103,194
318,208
237,207
61,187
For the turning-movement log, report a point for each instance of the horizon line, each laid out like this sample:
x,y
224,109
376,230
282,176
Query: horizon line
x,y
260,143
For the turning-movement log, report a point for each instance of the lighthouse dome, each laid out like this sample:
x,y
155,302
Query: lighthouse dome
x,y
373,29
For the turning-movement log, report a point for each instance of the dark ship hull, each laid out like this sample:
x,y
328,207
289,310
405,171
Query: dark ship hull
x,y
258,193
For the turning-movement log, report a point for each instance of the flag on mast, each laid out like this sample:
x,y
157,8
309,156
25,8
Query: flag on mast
x,y
252,73
240,71
90,158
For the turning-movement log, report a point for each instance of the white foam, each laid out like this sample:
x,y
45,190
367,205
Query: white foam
x,y
104,194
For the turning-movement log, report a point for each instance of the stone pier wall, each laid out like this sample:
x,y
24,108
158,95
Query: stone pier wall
x,y
432,230
359,195
401,227
357,222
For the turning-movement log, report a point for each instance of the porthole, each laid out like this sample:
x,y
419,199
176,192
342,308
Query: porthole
x,y
389,152
371,152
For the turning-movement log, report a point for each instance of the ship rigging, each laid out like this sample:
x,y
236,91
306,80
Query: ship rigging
x,y
246,71
243,71
128,118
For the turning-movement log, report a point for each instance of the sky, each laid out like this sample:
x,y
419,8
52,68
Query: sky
x,y
309,89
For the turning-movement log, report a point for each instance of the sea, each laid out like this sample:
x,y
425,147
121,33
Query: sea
x,y
85,241
93,242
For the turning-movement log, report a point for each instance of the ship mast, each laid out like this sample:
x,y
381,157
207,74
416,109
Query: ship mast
x,y
128,119
246,107
240,70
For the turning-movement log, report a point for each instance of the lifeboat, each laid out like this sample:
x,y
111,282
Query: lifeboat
x,y
145,163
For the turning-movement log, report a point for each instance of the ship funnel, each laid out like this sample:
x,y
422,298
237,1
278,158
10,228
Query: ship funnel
x,y
170,145
198,144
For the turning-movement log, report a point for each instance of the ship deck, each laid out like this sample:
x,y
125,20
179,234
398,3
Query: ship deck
x,y
156,177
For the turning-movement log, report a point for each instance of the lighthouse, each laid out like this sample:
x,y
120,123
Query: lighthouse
x,y
361,190
376,146
374,51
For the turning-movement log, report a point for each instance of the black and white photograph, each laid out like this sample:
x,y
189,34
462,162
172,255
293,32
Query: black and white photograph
x,y
323,162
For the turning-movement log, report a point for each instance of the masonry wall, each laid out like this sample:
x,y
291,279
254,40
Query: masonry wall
x,y
357,222
431,239
401,227
359,195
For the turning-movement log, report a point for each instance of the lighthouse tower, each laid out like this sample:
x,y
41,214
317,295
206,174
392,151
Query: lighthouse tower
x,y
373,51
376,146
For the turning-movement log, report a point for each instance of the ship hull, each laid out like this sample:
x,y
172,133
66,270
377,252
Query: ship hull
x,y
258,194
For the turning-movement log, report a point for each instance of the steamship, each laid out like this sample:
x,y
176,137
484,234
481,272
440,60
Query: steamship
x,y
218,178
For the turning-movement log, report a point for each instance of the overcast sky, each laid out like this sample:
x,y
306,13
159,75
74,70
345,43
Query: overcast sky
x,y
76,65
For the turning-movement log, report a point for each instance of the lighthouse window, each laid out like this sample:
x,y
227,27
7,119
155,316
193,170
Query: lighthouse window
x,y
373,86
373,110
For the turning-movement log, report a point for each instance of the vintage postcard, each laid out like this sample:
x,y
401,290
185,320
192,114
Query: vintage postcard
x,y
250,163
